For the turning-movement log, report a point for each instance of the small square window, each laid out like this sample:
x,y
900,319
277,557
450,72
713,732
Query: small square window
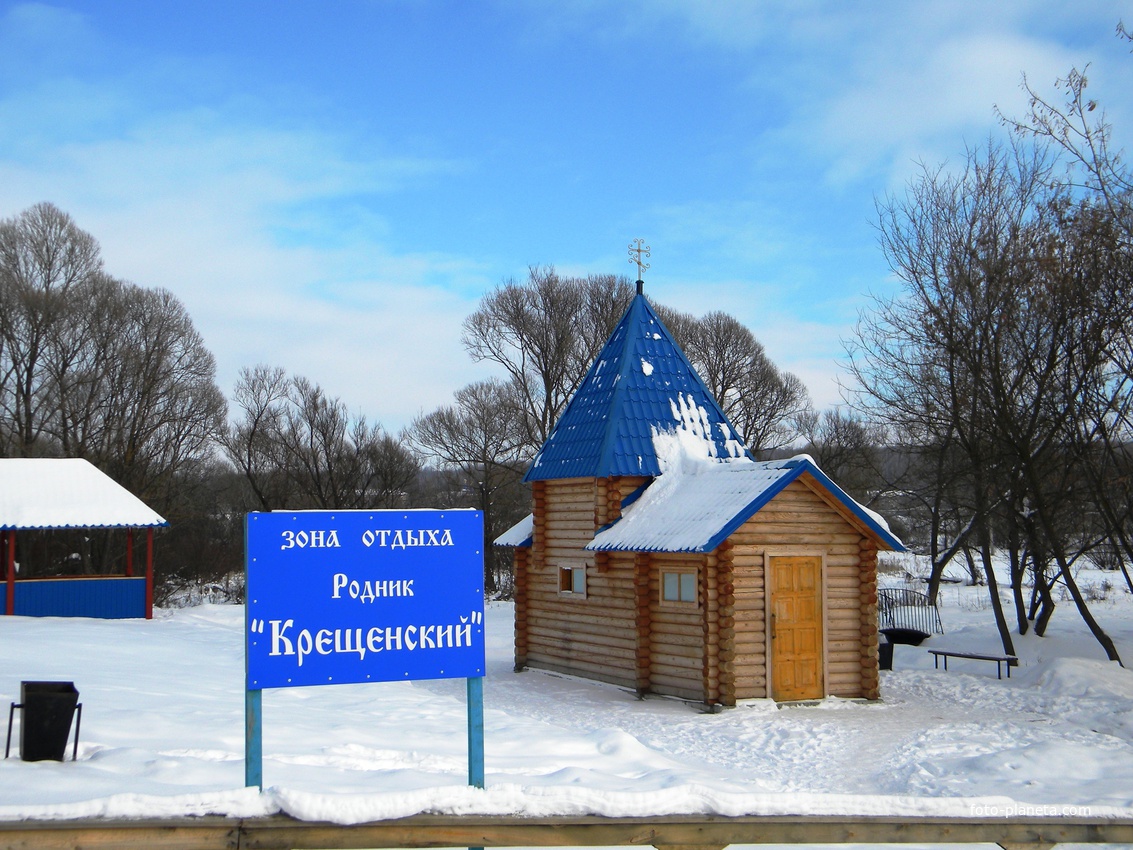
x,y
572,580
678,587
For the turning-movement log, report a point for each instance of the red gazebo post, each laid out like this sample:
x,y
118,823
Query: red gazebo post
x,y
10,601
149,573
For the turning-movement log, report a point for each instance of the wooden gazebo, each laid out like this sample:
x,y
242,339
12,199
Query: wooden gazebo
x,y
71,493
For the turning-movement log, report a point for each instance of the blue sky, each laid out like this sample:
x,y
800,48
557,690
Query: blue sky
x,y
331,187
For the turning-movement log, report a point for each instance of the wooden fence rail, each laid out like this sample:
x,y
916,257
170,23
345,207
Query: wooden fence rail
x,y
666,833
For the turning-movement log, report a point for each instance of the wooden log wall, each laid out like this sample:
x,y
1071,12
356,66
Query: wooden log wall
x,y
522,559
748,651
867,569
525,561
593,635
716,652
676,637
800,520
720,628
642,602
607,508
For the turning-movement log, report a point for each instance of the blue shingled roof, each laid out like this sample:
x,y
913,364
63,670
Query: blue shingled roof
x,y
640,382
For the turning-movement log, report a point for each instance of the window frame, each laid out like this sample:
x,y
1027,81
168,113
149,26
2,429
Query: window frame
x,y
577,575
680,601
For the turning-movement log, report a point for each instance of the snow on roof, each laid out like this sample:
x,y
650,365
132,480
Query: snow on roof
x,y
694,506
640,382
67,493
518,535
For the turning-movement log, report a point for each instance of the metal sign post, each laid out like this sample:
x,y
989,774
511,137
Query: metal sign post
x,y
338,597
254,739
476,732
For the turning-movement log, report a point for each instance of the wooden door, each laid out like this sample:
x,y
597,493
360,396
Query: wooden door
x,y
796,627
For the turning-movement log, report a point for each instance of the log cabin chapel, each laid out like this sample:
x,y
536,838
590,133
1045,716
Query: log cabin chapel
x,y
657,546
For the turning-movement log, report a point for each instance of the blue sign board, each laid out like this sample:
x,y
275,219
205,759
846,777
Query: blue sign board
x,y
335,597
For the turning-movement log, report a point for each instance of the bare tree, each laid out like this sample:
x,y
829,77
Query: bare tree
x,y
45,259
545,332
1075,125
920,358
96,368
299,448
1001,331
1082,133
253,442
393,469
164,410
481,442
762,402
848,448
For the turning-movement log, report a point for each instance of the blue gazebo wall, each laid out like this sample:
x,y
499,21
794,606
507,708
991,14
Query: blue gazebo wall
x,y
107,598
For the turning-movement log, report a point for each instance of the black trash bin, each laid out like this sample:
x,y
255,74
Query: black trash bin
x,y
885,655
45,719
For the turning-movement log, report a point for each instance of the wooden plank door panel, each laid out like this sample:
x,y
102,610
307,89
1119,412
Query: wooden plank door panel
x,y
796,627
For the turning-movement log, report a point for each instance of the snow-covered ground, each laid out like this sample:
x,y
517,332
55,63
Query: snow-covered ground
x,y
163,720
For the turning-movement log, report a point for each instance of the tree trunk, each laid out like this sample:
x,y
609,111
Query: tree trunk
x,y
1125,572
993,590
1075,593
973,570
1017,567
1087,616
1047,609
940,561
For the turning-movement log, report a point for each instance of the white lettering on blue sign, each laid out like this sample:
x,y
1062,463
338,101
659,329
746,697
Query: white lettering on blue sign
x,y
318,539
368,591
378,638
363,596
410,538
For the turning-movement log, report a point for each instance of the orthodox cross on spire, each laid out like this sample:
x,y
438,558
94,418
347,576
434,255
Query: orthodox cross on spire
x,y
639,248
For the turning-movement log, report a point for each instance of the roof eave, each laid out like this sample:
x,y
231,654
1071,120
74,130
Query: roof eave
x,y
880,532
793,470
80,525
750,510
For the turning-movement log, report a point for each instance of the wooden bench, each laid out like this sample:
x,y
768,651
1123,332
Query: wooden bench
x,y
1000,660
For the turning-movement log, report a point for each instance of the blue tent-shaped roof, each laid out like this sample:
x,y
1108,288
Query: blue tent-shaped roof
x,y
641,382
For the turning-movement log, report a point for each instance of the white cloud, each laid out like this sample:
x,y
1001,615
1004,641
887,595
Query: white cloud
x,y
231,217
864,90
926,106
370,325
282,236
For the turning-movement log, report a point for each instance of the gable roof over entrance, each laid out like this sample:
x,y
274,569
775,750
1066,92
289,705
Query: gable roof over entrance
x,y
695,508
67,493
640,384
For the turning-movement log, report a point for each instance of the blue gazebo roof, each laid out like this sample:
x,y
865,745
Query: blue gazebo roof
x,y
641,383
